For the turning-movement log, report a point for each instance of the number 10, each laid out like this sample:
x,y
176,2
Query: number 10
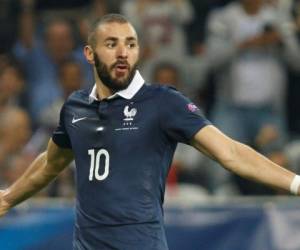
x,y
95,164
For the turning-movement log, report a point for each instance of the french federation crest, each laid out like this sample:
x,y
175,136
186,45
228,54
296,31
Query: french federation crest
x,y
129,113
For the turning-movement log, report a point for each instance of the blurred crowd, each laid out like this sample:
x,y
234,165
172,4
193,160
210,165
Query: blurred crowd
x,y
238,60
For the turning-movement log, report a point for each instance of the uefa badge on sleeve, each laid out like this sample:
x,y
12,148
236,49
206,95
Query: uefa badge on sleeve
x,y
192,107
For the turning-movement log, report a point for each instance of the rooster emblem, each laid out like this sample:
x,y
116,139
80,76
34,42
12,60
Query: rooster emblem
x,y
129,114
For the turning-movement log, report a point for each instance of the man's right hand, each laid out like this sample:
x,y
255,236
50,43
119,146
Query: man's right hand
x,y
4,206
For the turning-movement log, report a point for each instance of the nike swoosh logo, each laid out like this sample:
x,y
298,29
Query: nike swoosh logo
x,y
78,119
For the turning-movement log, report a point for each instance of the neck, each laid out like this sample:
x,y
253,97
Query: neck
x,y
102,90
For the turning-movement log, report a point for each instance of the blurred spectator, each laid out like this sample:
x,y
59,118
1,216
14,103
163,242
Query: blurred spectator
x,y
12,83
15,131
41,59
245,43
248,45
95,10
185,77
160,24
70,79
196,30
191,74
167,73
16,152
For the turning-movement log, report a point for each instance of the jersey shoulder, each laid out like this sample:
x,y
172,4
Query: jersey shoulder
x,y
81,96
156,91
156,87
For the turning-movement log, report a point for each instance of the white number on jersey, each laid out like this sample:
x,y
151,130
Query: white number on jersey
x,y
95,164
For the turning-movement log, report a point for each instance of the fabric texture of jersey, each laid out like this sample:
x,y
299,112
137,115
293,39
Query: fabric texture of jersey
x,y
123,150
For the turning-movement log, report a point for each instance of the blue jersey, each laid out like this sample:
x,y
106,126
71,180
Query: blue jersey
x,y
123,148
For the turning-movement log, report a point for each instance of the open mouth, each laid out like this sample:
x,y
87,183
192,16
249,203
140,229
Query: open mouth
x,y
121,68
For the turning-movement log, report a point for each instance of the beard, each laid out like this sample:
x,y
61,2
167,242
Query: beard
x,y
103,72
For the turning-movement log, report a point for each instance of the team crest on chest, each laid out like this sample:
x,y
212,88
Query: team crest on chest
x,y
129,114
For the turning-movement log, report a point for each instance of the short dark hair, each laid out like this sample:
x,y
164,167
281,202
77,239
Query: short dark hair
x,y
109,18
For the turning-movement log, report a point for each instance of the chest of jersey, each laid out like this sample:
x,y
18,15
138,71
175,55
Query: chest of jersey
x,y
116,141
112,124
123,150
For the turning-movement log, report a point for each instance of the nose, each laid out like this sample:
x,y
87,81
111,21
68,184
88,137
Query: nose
x,y
122,52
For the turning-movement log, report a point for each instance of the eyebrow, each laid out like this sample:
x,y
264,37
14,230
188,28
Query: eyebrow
x,y
114,39
131,38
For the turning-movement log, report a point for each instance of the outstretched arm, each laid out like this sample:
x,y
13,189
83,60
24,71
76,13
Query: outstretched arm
x,y
27,23
42,171
241,159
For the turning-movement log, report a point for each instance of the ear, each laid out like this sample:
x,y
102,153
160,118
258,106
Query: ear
x,y
89,54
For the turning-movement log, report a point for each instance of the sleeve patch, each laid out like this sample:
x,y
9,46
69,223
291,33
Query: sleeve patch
x,y
192,107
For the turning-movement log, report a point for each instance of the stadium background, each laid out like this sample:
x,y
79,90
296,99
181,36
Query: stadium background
x,y
41,62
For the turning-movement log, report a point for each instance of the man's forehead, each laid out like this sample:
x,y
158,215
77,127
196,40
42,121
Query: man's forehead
x,y
117,30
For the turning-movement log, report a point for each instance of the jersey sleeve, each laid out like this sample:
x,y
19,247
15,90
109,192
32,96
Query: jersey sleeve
x,y
60,135
180,118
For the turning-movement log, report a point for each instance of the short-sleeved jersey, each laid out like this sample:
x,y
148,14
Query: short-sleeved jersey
x,y
123,149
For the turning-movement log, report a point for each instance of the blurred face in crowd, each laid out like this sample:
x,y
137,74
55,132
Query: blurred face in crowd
x,y
252,6
59,40
15,129
11,83
167,75
115,54
70,77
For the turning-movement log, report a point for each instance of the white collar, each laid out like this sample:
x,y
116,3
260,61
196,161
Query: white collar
x,y
135,85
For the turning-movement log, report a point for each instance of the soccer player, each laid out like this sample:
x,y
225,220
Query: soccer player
x,y
122,135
